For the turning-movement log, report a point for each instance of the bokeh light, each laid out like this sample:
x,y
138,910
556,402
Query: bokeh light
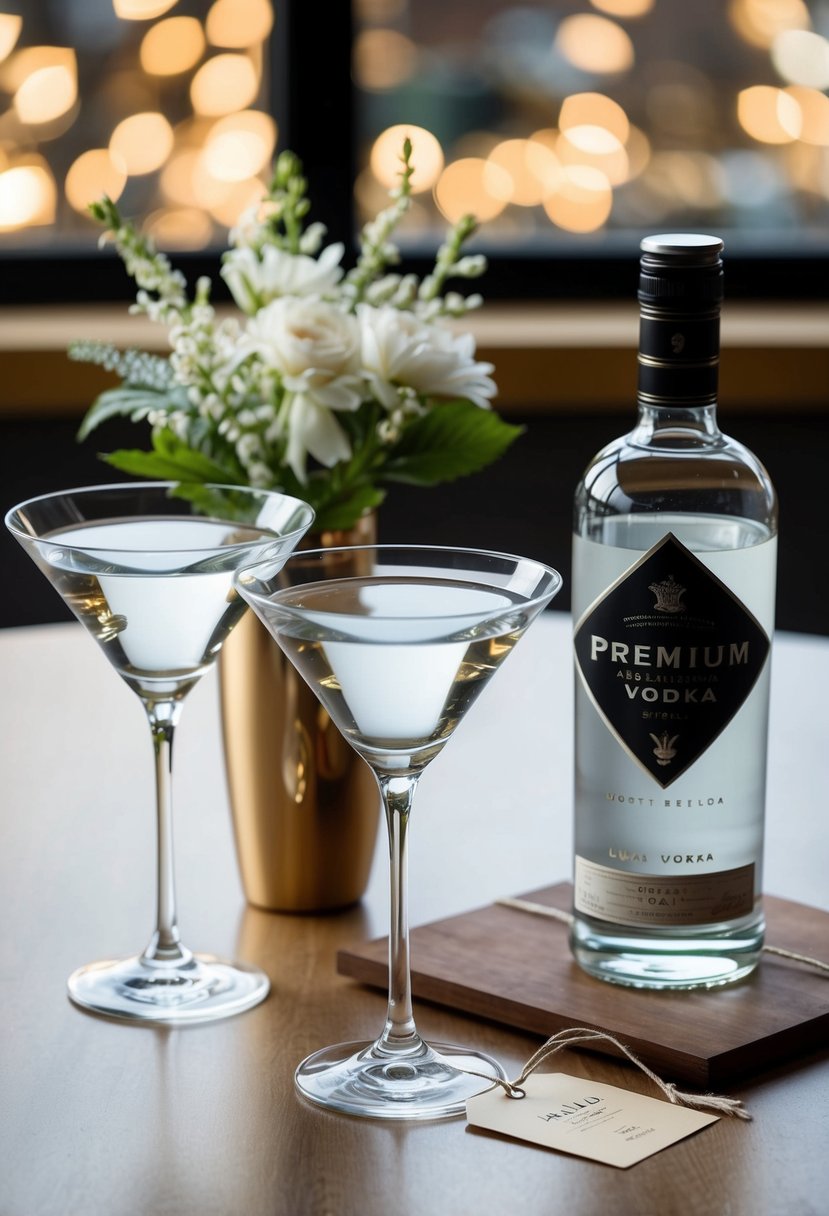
x,y
141,10
520,160
427,157
802,57
623,8
10,26
225,83
239,23
27,195
473,186
813,124
542,160
48,92
239,146
235,200
760,21
383,59
180,228
31,59
654,112
594,109
768,115
594,44
583,200
187,182
141,143
91,175
172,46
597,147
179,178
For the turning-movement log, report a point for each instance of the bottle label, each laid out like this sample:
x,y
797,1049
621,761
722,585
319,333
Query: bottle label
x,y
660,900
668,654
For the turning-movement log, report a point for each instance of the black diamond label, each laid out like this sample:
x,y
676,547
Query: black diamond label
x,y
668,655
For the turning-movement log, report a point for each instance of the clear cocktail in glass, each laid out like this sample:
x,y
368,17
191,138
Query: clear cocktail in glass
x,y
397,643
148,570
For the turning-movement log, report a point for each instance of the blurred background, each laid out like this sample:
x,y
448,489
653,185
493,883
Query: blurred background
x,y
563,125
571,128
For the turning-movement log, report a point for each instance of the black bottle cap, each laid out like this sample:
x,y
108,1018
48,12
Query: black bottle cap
x,y
680,270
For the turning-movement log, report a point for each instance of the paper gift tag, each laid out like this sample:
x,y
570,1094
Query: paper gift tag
x,y
586,1118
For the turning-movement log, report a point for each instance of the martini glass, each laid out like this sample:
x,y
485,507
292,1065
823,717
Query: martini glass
x,y
397,643
147,569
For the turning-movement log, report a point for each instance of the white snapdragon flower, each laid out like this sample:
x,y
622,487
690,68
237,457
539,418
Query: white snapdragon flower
x,y
255,280
315,348
399,350
248,226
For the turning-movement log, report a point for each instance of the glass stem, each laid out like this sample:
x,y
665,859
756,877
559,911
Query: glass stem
x,y
399,1034
164,947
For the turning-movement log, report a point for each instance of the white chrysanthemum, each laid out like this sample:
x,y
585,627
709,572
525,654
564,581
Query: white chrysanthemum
x,y
315,348
401,351
256,280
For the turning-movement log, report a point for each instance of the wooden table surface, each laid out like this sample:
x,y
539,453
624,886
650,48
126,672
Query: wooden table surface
x,y
101,1117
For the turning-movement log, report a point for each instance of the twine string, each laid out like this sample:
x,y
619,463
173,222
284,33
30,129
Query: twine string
x,y
579,1036
799,958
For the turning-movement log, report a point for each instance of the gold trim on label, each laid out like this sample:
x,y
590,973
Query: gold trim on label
x,y
662,900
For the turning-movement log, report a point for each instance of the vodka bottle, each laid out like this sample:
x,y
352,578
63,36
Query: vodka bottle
x,y
674,565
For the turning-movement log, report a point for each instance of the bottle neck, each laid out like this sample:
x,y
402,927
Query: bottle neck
x,y
679,357
672,426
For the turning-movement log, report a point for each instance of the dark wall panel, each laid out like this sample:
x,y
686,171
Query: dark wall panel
x,y
521,504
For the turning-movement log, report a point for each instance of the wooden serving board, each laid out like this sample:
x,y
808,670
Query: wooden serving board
x,y
514,967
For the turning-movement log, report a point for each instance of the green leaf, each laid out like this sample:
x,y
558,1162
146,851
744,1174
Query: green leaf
x,y
134,403
171,459
345,512
140,464
220,503
452,440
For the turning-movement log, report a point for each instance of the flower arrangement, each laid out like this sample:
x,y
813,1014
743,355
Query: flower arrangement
x,y
329,385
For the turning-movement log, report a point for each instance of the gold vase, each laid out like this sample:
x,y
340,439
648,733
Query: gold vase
x,y
305,807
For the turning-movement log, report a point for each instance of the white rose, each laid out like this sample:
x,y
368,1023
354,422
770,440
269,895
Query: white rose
x,y
256,280
400,350
315,348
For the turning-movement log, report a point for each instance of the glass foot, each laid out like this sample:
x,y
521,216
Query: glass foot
x,y
363,1079
199,990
